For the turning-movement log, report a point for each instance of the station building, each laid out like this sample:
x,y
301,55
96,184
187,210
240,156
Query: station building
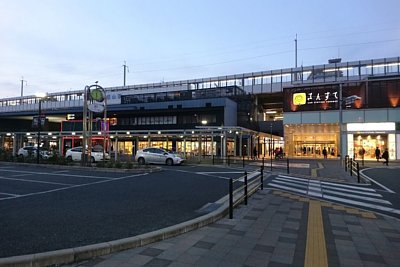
x,y
339,106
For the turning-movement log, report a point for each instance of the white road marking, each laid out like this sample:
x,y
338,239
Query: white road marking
x,y
60,171
74,186
349,186
363,204
292,181
61,174
288,188
375,182
359,197
21,175
291,184
348,194
7,194
33,181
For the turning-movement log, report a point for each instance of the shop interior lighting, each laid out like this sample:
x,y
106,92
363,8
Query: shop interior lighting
x,y
363,127
73,133
270,112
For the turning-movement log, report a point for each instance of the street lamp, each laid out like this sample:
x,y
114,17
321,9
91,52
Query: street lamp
x,y
40,96
204,123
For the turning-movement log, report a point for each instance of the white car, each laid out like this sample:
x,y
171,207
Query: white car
x,y
30,151
158,156
75,154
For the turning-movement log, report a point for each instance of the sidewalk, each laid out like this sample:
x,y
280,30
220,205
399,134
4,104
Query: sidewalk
x,y
278,229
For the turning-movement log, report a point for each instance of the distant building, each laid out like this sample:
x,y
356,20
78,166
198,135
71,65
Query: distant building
x,y
341,106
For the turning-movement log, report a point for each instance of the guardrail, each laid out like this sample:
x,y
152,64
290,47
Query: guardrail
x,y
352,166
251,183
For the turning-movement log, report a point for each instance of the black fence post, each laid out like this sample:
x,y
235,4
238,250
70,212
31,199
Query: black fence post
x,y
230,198
243,161
229,160
358,173
351,167
245,187
212,159
287,160
271,161
262,177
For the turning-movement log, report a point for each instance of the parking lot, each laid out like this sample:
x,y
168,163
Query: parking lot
x,y
45,209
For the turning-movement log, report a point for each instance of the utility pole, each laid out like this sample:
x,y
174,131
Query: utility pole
x,y
125,68
295,52
22,86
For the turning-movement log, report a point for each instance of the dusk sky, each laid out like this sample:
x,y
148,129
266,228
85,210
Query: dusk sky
x,y
62,45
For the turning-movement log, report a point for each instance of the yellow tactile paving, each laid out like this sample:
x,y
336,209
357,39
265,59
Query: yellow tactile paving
x,y
336,207
316,254
368,215
352,211
326,204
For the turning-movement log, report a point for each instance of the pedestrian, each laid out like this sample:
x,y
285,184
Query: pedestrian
x,y
385,155
377,153
325,153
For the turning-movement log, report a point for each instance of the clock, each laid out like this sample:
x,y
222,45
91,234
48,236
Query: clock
x,y
97,95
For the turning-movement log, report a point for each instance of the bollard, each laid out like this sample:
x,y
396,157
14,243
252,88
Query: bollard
x,y
287,160
263,162
243,161
229,160
212,159
230,198
262,178
245,187
358,173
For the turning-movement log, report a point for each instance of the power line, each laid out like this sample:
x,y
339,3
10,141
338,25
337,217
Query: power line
x,y
264,55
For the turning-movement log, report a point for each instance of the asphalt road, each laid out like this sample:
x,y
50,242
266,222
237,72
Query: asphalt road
x,y
48,209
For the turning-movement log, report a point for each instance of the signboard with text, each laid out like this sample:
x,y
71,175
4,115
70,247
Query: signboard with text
x,y
378,94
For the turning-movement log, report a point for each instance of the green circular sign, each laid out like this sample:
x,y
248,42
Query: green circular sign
x,y
97,95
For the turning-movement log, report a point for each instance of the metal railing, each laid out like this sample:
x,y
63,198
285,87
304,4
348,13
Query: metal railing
x,y
352,166
250,183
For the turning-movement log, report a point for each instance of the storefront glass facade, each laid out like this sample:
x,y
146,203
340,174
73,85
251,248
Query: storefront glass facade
x,y
309,140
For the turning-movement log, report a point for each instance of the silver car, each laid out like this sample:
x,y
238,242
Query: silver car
x,y
30,151
157,156
75,154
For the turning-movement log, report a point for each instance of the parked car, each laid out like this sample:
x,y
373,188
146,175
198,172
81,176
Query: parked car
x,y
157,156
30,151
75,154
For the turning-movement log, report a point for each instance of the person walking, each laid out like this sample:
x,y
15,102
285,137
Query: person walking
x,y
255,153
377,153
325,153
385,155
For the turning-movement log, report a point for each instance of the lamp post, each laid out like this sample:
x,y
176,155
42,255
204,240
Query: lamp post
x,y
340,121
204,123
41,96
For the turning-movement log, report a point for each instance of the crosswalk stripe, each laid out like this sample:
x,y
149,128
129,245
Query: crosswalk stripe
x,y
349,186
359,197
363,204
288,188
347,194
